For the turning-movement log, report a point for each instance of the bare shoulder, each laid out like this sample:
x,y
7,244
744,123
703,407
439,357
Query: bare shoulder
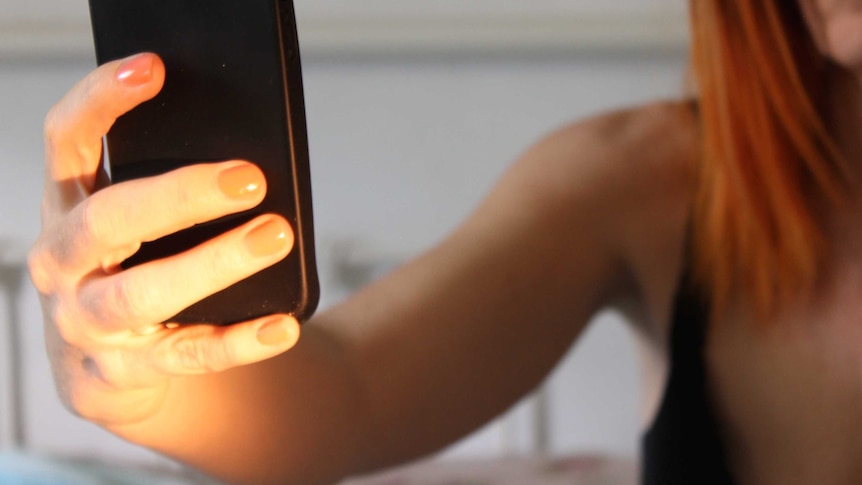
x,y
636,169
647,147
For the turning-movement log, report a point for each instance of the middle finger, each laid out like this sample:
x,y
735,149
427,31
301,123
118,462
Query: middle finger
x,y
109,226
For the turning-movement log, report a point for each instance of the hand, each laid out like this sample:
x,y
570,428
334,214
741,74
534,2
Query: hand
x,y
112,358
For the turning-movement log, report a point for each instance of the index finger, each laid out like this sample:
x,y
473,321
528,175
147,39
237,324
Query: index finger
x,y
74,127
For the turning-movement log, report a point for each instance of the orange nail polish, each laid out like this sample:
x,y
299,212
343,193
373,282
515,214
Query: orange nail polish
x,y
269,238
136,71
243,182
272,332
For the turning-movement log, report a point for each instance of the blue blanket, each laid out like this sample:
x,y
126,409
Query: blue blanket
x,y
25,469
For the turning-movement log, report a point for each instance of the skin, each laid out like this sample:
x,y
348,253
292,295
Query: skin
x,y
835,27
790,392
593,216
401,369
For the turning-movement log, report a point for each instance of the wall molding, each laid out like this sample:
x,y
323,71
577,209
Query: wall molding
x,y
411,35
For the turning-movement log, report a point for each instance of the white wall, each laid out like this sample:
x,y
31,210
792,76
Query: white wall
x,y
402,148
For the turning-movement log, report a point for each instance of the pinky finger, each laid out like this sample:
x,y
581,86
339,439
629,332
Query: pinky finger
x,y
202,349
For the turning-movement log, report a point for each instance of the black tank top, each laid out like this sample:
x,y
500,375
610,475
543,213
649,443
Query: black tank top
x,y
684,446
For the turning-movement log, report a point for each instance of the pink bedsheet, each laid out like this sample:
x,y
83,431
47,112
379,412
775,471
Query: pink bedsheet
x,y
575,470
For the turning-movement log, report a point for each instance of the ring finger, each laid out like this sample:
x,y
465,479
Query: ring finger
x,y
155,291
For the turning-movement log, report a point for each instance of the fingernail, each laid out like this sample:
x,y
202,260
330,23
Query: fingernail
x,y
269,238
242,182
272,332
136,71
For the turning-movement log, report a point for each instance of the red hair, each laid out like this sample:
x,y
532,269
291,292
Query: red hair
x,y
768,164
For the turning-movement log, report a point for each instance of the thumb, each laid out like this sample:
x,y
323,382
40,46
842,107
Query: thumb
x,y
204,349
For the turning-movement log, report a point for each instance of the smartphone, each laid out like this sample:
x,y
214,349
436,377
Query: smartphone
x,y
233,90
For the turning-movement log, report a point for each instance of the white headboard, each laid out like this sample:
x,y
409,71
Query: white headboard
x,y
60,28
13,277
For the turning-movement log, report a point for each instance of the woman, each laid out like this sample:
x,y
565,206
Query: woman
x,y
726,230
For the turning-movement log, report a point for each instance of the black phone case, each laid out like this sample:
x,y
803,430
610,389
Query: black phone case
x,y
233,91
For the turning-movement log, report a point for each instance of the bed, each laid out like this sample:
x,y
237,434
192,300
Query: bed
x,y
29,469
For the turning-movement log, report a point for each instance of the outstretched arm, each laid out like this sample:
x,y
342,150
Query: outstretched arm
x,y
402,368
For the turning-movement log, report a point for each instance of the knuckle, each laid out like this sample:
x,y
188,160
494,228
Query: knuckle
x,y
113,374
186,354
37,268
220,261
221,356
70,382
83,404
77,402
53,125
96,226
89,87
193,354
183,188
66,324
127,301
78,395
